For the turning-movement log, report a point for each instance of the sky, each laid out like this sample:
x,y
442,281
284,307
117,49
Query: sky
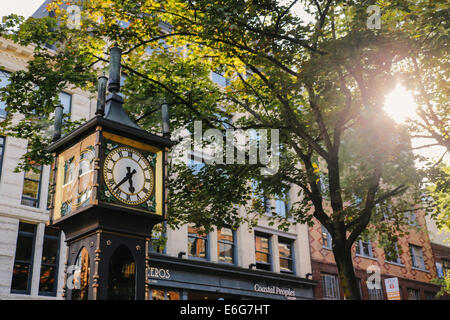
x,y
21,7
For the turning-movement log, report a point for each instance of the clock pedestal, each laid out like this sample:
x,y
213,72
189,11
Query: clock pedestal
x,y
108,192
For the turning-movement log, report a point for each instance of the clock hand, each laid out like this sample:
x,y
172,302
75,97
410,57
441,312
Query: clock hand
x,y
131,188
127,177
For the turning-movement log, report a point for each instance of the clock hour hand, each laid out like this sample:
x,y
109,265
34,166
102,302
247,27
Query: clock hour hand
x,y
128,176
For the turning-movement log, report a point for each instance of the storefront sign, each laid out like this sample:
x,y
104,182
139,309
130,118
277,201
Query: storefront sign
x,y
159,273
287,292
392,288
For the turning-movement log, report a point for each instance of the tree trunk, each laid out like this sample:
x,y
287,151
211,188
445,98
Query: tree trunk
x,y
347,278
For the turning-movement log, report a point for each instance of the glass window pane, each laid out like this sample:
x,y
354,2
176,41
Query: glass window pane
x,y
20,277
32,175
66,100
158,295
262,257
286,264
30,188
225,234
4,81
24,249
262,244
50,251
47,279
173,295
27,227
225,252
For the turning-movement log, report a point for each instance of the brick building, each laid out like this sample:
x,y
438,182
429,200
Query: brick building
x,y
414,267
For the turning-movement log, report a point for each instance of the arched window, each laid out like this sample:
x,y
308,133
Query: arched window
x,y
81,276
122,274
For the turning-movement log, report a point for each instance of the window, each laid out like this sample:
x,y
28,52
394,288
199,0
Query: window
x,y
417,257
31,188
364,248
413,294
286,256
197,243
326,238
446,267
158,239
430,296
393,255
262,251
330,286
375,294
66,100
219,79
281,207
2,152
49,265
225,245
4,81
23,262
412,219
160,294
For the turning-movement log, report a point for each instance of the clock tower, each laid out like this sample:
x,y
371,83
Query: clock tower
x,y
108,191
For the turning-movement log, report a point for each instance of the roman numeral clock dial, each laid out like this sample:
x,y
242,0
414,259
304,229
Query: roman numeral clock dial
x,y
128,175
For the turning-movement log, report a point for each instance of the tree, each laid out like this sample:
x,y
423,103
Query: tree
x,y
321,84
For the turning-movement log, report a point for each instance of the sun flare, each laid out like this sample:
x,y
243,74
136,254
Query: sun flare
x,y
400,104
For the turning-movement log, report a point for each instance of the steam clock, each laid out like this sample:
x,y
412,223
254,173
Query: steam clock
x,y
108,192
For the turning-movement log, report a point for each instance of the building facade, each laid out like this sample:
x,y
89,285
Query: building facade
x,y
32,255
414,267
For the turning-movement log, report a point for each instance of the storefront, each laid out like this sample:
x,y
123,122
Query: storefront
x,y
171,278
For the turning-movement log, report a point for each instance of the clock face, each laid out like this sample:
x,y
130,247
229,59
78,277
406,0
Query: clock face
x,y
128,175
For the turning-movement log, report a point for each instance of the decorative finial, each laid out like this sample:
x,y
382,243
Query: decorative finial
x,y
114,69
58,122
101,95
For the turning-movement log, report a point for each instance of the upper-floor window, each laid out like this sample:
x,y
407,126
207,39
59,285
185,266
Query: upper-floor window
x,y
66,100
225,245
4,81
417,257
412,219
197,243
31,188
446,267
49,265
286,255
262,252
330,286
364,248
393,255
326,238
23,262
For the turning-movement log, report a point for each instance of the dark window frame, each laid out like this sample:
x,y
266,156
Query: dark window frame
x,y
196,236
35,200
30,263
3,112
262,265
291,259
55,265
227,242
